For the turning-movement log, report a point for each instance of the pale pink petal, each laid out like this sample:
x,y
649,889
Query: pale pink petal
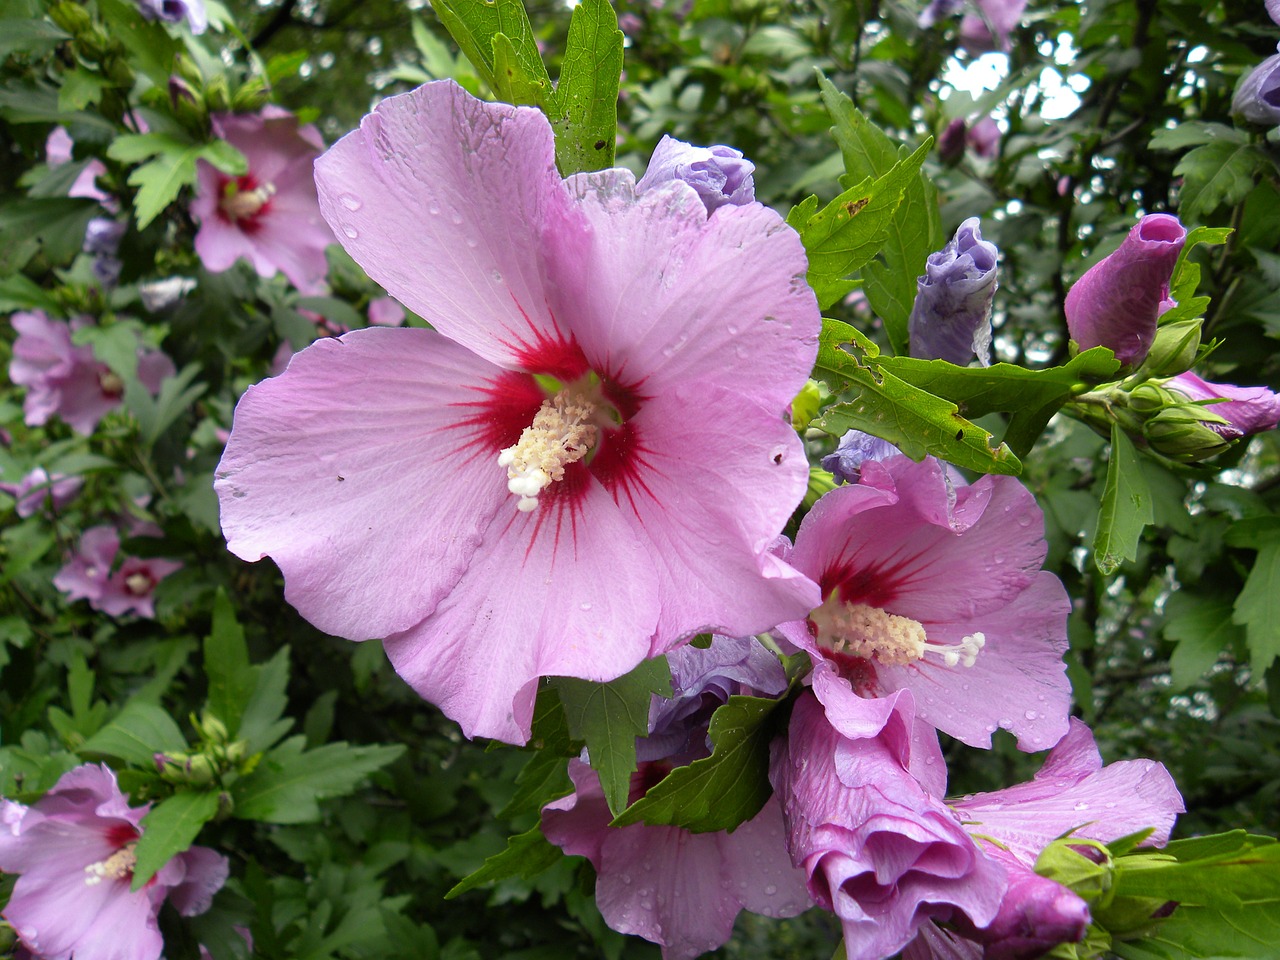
x,y
204,873
559,591
315,453
448,202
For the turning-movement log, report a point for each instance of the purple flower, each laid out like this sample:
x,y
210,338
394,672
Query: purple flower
x,y
67,380
845,464
175,11
989,29
37,488
58,151
1118,300
951,317
442,446
937,589
882,852
1257,99
1247,410
719,174
87,576
938,10
385,312
984,138
74,851
1273,10
270,215
951,140
678,889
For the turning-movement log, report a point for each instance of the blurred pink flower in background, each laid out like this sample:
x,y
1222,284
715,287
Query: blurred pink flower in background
x,y
269,215
131,588
38,488
385,312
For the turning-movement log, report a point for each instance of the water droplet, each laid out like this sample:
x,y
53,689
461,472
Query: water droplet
x,y
584,606
1081,806
350,201
1031,714
930,761
1005,723
456,218
472,242
351,231
625,878
732,330
496,276
770,890
434,208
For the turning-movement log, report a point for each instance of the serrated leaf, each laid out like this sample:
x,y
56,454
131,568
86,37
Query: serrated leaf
x,y
226,664
723,790
583,110
169,829
288,783
261,724
866,150
1126,507
159,182
526,855
609,717
30,36
1257,608
513,84
1193,133
151,47
1186,276
140,731
915,421
1216,174
473,27
845,234
1202,629
545,776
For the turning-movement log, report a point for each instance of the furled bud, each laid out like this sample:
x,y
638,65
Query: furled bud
x,y
719,174
1257,98
1185,433
251,96
1238,411
951,317
951,142
71,17
1174,349
1118,300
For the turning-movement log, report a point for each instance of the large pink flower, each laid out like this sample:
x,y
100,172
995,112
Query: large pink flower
x,y
565,476
74,849
269,215
937,588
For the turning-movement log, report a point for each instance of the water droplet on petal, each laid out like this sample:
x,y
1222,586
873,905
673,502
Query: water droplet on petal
x,y
625,878
434,208
1031,714
351,232
584,606
350,201
770,890
1081,806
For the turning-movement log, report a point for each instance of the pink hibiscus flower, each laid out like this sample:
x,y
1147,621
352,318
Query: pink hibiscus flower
x,y
564,476
937,588
74,851
131,588
269,215
37,489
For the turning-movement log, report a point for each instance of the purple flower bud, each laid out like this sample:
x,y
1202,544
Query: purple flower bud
x,y
1247,410
951,318
1118,300
719,174
854,448
1257,98
102,236
174,11
990,29
951,140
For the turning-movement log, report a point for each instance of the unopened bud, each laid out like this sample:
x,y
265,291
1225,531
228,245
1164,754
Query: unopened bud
x,y
71,17
217,95
212,729
1174,349
251,96
1182,433
1149,398
1072,864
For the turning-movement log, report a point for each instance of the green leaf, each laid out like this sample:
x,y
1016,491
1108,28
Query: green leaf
x,y
169,829
1202,629
845,234
916,421
159,182
81,88
723,790
584,107
155,414
29,36
261,724
226,664
141,731
150,46
866,150
1126,506
1032,396
474,26
288,783
1214,174
526,855
1186,276
54,224
609,716
1194,133
1257,608
545,776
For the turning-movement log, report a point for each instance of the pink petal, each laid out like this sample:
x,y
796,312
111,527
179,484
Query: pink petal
x,y
354,471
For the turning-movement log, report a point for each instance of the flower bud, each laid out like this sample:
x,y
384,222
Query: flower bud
x,y
1239,412
719,174
1118,300
212,729
1035,915
1080,866
251,96
951,316
71,17
1181,433
1257,99
1150,398
1174,349
951,142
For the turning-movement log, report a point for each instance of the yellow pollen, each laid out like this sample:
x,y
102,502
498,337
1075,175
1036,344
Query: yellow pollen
x,y
865,631
563,432
137,583
116,867
244,204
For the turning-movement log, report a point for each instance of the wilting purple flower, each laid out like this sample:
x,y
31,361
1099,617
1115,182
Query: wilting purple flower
x,y
87,575
441,446
1247,410
937,588
951,317
74,851
175,11
64,379
270,215
719,174
879,850
984,138
385,312
845,464
678,889
1001,15
1118,300
1257,99
37,488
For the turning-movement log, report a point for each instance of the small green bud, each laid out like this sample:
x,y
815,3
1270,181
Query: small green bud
x,y
212,729
1082,866
217,95
251,97
1180,433
1129,917
1174,349
71,17
1149,398
805,406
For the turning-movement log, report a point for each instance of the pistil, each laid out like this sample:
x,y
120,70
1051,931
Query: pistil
x,y
860,630
562,433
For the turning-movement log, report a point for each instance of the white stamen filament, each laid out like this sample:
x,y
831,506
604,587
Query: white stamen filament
x,y
861,630
563,432
116,867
